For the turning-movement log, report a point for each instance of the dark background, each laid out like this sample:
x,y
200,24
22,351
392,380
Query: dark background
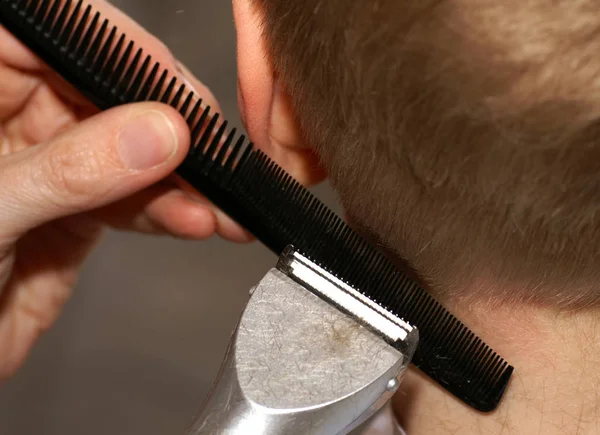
x,y
141,341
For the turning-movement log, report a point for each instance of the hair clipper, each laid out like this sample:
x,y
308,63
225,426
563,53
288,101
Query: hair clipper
x,y
310,355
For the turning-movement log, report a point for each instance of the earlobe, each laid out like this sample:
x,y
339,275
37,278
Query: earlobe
x,y
264,104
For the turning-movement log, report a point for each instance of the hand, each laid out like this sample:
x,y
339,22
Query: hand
x,y
66,170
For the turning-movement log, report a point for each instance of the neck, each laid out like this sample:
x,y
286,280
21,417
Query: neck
x,y
555,387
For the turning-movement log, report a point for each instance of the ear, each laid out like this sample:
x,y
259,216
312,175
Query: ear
x,y
265,105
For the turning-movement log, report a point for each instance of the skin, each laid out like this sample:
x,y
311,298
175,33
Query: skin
x,y
64,178
555,387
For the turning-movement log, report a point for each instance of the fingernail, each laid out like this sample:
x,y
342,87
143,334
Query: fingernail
x,y
183,76
148,141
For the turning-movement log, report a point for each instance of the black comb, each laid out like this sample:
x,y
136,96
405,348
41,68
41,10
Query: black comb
x,y
110,70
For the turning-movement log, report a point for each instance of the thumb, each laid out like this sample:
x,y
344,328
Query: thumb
x,y
101,160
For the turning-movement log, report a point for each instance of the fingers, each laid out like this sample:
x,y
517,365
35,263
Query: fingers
x,y
179,215
43,117
227,228
155,47
102,160
199,88
16,55
166,210
16,95
159,210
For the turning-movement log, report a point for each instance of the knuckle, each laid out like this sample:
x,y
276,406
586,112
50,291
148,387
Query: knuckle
x,y
8,369
161,50
71,173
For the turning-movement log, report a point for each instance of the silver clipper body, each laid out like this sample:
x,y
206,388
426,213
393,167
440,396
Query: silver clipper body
x,y
310,355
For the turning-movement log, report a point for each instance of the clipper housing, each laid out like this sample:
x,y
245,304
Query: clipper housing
x,y
310,355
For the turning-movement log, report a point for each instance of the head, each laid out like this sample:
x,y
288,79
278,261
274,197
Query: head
x,y
463,136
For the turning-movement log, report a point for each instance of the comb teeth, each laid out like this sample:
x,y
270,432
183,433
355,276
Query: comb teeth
x,y
252,189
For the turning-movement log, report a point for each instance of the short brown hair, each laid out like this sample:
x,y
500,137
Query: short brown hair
x,y
463,134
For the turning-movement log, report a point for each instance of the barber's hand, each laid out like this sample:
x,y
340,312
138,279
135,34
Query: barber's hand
x,y
66,170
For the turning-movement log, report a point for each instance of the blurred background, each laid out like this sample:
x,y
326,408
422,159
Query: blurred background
x,y
141,341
